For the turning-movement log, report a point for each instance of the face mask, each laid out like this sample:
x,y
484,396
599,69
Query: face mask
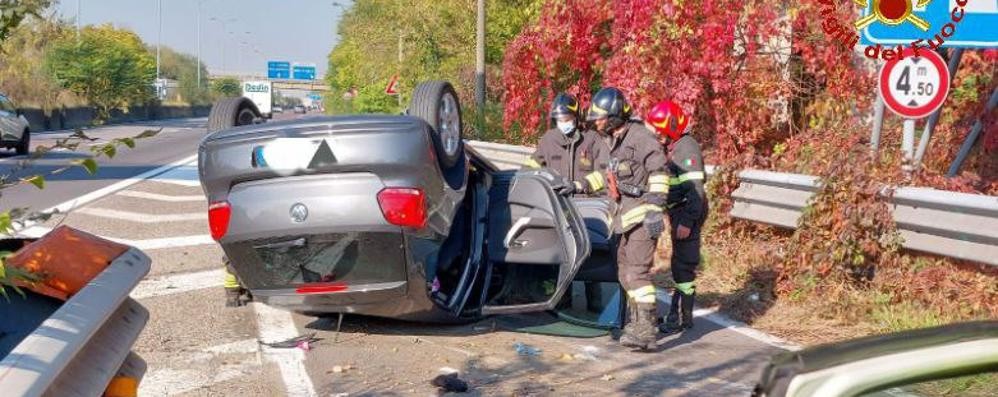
x,y
566,127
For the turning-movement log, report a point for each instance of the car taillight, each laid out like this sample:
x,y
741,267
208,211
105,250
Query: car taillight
x,y
218,219
403,206
321,288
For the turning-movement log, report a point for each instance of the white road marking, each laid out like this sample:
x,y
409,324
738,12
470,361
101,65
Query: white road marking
x,y
111,189
148,244
169,381
142,217
171,242
714,316
160,197
178,283
178,182
276,325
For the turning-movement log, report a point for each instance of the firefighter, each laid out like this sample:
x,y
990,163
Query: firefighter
x,y
637,181
235,294
687,217
567,150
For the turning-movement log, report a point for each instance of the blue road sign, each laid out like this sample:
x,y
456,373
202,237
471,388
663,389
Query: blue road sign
x,y
315,97
973,23
278,70
303,72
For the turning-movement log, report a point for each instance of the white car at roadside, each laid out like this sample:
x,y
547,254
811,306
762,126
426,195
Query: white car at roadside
x,y
14,132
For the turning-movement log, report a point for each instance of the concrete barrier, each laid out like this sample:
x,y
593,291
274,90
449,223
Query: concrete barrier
x,y
79,117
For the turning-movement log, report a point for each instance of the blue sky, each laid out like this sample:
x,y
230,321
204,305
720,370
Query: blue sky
x,y
300,31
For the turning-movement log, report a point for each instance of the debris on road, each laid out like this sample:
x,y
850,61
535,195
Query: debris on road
x,y
303,342
608,378
588,353
526,350
566,357
450,383
337,369
448,371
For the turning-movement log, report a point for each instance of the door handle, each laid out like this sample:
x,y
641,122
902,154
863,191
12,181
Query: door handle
x,y
513,231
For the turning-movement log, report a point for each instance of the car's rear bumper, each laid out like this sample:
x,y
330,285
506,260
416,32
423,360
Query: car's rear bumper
x,y
355,298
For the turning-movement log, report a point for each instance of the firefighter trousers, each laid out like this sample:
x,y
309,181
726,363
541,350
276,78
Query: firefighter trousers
x,y
635,253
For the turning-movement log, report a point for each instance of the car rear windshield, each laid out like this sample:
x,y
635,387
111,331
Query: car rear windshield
x,y
354,258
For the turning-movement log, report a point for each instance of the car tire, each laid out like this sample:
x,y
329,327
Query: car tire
x,y
231,112
24,145
437,103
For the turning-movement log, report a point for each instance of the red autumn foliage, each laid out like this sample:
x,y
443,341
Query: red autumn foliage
x,y
770,89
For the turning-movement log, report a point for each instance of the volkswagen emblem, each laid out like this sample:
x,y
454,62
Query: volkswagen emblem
x,y
299,212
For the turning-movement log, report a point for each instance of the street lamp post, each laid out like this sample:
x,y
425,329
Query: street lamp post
x,y
197,38
159,37
78,2
225,30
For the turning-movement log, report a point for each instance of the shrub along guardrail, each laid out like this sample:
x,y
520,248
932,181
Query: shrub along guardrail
x,y
69,118
952,224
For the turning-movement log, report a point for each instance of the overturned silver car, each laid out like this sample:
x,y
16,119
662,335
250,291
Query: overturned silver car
x,y
392,216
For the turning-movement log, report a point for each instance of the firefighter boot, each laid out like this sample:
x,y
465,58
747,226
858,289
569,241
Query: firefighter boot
x,y
671,324
234,297
643,333
630,317
686,305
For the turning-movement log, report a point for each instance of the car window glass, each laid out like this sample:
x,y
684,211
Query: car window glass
x,y
969,386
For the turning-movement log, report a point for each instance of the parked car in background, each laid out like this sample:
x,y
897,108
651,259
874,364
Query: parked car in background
x,y
14,132
277,109
300,109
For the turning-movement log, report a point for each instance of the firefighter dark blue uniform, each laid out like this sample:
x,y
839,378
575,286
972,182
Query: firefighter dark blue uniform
x,y
568,151
637,180
687,216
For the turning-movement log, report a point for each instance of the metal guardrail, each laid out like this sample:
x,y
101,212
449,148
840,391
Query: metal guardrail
x,y
956,225
87,341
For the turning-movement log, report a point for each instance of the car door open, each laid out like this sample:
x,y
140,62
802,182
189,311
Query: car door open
x,y
536,243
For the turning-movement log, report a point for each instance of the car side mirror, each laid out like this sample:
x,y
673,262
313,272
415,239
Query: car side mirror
x,y
18,112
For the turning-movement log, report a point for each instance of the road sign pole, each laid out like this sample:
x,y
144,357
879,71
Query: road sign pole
x,y
480,58
974,132
923,142
908,139
878,123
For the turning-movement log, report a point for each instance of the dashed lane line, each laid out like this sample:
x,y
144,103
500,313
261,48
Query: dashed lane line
x,y
111,189
147,244
178,283
160,197
142,217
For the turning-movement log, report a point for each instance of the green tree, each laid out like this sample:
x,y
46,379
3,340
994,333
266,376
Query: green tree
x,y
13,12
227,86
22,52
438,42
183,68
109,67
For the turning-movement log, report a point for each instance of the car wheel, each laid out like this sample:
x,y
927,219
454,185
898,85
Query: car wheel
x,y
24,145
231,112
436,102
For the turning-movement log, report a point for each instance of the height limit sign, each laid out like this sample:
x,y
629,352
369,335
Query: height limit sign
x,y
914,85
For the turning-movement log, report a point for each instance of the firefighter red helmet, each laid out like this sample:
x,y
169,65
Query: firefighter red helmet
x,y
668,119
